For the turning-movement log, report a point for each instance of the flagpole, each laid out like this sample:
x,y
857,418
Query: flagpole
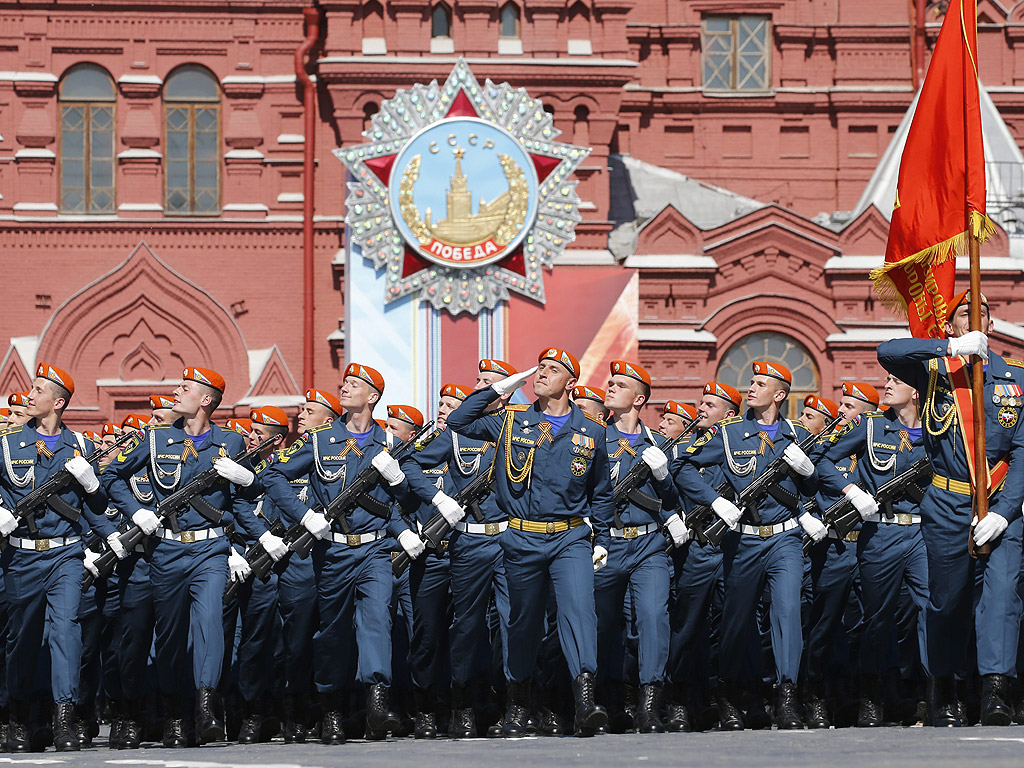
x,y
977,393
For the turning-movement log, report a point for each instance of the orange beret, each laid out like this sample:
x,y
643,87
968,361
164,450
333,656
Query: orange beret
x,y
381,423
325,399
241,426
634,371
406,413
860,391
961,298
680,409
367,374
457,391
158,402
497,366
57,376
572,365
775,370
270,415
135,421
724,391
204,376
88,434
822,404
18,398
110,428
5,412
583,392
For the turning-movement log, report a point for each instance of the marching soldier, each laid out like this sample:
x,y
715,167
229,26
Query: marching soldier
x,y
939,370
551,472
756,555
590,400
18,405
818,413
163,409
675,416
43,569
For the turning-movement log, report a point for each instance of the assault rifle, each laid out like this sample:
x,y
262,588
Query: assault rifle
x,y
843,516
172,505
48,494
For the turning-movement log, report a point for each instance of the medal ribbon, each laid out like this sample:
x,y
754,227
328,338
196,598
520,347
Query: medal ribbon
x,y
765,442
545,433
624,447
42,450
351,445
905,443
189,450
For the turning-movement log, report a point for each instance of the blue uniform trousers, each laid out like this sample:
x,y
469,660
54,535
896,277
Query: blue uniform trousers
x,y
4,629
188,591
137,623
535,562
99,615
833,568
44,590
256,605
698,584
429,581
890,556
953,577
750,563
478,571
354,586
638,568
297,603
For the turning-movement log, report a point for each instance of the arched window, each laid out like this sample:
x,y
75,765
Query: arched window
x,y
192,127
441,21
581,126
87,140
509,20
734,368
370,109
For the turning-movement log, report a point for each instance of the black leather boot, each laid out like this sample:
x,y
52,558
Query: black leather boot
x,y
130,734
589,714
294,730
517,713
648,709
87,725
677,711
174,725
995,693
116,709
249,733
18,730
332,728
730,717
869,714
65,738
426,720
463,720
942,704
209,727
787,707
629,707
815,707
379,719
549,719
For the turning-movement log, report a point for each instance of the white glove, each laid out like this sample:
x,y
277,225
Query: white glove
x,y
513,382
989,529
411,543
656,459
238,566
315,523
147,520
971,343
728,511
600,558
797,460
450,509
8,522
813,527
677,530
83,472
862,501
233,472
114,542
90,562
273,545
384,463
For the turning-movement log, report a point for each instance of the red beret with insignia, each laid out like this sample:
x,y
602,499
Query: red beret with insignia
x,y
634,371
204,376
823,405
325,399
241,426
680,409
406,413
567,359
961,298
135,421
724,391
18,398
860,390
457,391
88,434
5,412
497,366
110,428
57,376
370,375
582,392
775,370
158,402
270,415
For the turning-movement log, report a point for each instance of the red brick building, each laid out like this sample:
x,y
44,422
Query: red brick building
x,y
152,175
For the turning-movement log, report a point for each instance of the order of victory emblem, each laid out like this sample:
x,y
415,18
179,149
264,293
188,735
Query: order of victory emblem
x,y
462,195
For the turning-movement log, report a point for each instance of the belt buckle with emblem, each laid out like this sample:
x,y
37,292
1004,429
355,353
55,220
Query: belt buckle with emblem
x,y
42,545
188,537
353,539
630,532
764,531
903,518
491,529
852,536
394,555
549,528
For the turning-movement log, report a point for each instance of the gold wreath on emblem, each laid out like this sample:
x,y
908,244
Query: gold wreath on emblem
x,y
501,219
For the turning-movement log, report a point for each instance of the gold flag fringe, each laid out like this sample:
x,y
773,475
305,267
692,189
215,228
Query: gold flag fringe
x,y
980,225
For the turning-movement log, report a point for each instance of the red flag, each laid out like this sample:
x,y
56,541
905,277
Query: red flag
x,y
941,187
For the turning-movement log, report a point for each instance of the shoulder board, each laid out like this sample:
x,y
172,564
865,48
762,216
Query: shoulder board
x,y
597,419
1015,363
422,443
731,420
10,430
319,428
516,407
873,414
158,426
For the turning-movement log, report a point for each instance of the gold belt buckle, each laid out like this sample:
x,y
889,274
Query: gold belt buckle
x,y
42,545
764,531
852,536
188,537
630,532
394,555
549,528
353,539
491,529
904,519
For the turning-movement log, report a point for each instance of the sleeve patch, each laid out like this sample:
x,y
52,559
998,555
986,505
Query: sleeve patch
x,y
703,439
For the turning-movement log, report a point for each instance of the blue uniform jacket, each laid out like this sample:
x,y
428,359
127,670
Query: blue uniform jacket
x,y
908,360
21,457
736,446
329,456
622,457
569,476
265,506
713,474
160,451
